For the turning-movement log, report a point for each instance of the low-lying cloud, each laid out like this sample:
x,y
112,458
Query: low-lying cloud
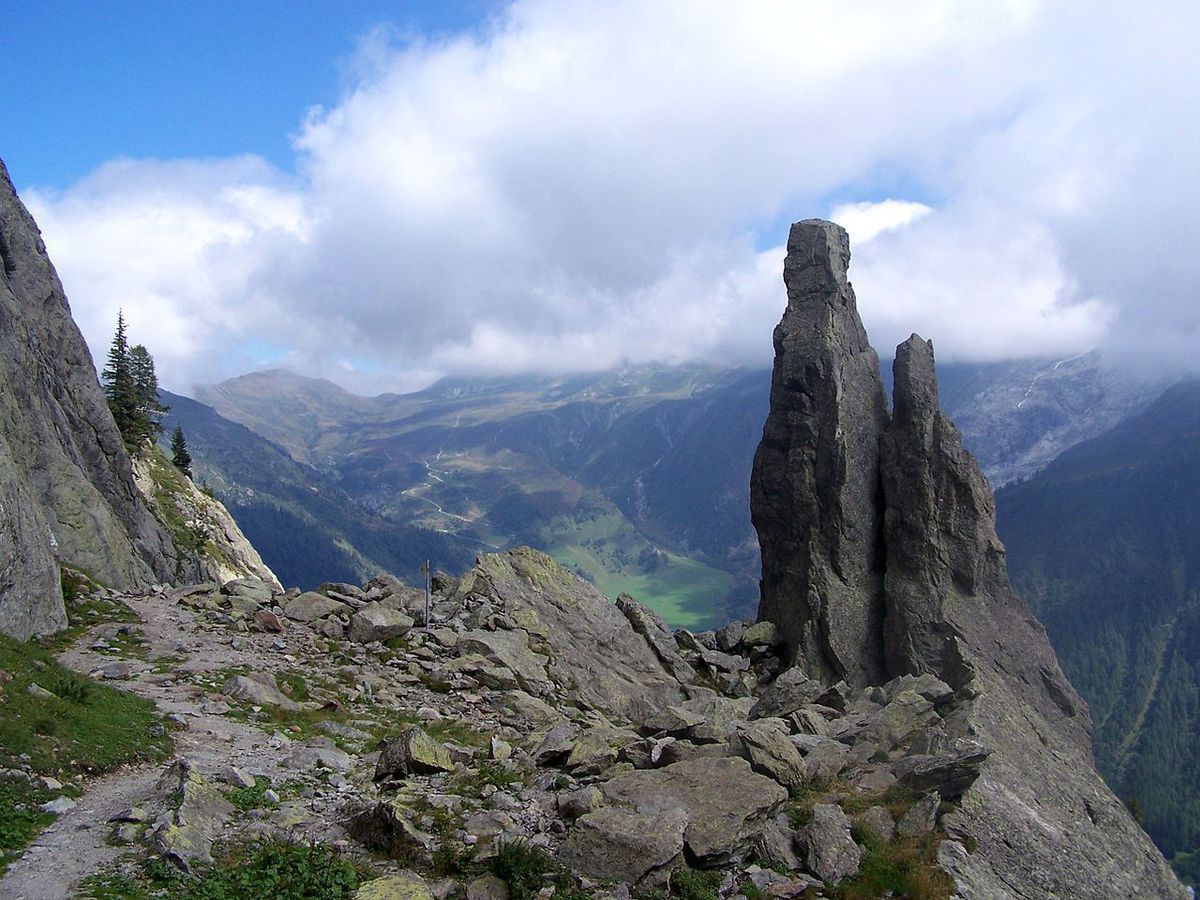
x,y
578,186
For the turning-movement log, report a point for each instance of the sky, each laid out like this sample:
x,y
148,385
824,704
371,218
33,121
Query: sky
x,y
384,193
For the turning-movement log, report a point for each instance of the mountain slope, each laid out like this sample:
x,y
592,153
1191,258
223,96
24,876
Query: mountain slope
x,y
1105,544
305,527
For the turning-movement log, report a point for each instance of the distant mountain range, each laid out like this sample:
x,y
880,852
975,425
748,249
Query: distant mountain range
x,y
1105,545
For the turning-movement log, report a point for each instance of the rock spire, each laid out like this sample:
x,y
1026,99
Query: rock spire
x,y
880,559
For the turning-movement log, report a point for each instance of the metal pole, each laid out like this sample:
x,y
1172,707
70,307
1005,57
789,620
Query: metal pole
x,y
425,571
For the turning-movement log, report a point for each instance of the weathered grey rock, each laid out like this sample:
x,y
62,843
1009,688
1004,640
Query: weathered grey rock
x,y
580,802
878,823
949,773
630,845
66,483
404,886
921,817
250,588
259,689
652,627
879,533
775,845
825,759
321,753
556,744
770,753
375,622
791,690
829,850
310,606
196,812
596,654
725,803
509,650
487,887
412,752
815,494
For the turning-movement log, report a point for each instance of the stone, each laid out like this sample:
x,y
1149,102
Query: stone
x,y
772,754
320,756
631,846
488,887
238,778
921,817
672,720
829,851
730,636
557,743
598,657
880,559
774,845
311,606
761,634
259,689
651,626
412,752
725,803
815,494
36,690
878,823
510,650
58,805
254,589
405,886
268,621
790,691
825,759
195,815
580,802
375,622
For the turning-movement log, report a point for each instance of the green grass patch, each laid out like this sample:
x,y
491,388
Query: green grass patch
x,y
277,870
527,869
248,798
84,610
906,867
694,884
87,727
84,727
470,782
20,816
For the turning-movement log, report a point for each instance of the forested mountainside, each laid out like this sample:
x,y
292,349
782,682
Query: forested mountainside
x,y
1105,545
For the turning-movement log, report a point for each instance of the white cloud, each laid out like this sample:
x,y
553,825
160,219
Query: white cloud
x,y
866,220
590,183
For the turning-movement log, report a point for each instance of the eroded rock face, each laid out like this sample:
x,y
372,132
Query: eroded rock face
x,y
67,488
878,533
815,492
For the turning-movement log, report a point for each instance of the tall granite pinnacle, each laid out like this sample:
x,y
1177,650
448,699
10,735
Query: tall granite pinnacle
x,y
880,558
816,492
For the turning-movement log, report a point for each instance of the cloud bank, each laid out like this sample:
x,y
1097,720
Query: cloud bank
x,y
581,185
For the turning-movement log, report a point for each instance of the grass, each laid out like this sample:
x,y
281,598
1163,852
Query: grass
x,y
527,869
906,867
693,884
84,610
247,798
280,871
84,728
684,592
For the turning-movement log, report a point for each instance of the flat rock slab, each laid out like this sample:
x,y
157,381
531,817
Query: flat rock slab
x,y
629,845
310,606
724,802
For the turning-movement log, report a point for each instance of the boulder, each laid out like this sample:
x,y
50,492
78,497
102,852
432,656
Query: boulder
x,y
195,815
829,851
630,846
950,774
510,650
790,691
375,622
310,606
405,886
725,803
259,689
412,752
770,753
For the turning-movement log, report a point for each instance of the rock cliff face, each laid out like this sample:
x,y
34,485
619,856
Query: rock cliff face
x,y
67,491
880,559
816,493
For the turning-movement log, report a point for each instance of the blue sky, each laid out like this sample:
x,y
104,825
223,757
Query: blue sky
x,y
385,193
103,80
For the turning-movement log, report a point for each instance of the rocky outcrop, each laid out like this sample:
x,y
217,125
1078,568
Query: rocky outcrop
x,y
880,560
816,494
67,489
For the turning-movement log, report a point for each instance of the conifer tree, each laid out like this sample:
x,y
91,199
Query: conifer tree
x,y
179,452
141,365
120,390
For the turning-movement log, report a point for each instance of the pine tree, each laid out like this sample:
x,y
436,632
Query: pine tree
x,y
179,452
145,380
120,390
